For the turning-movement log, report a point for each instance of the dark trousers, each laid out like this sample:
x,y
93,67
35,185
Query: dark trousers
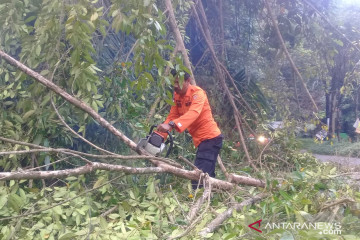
x,y
206,156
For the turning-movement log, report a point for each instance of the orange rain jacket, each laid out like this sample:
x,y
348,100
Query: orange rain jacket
x,y
192,111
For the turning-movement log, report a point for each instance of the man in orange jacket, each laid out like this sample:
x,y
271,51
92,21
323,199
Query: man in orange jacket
x,y
192,111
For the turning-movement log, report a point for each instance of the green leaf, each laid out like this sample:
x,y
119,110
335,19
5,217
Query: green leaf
x,y
81,232
99,182
228,236
72,178
81,129
149,76
58,210
38,139
96,68
169,101
44,72
285,195
66,236
114,13
131,194
94,106
103,223
94,16
8,123
15,202
209,235
3,200
339,42
29,19
38,50
146,3
28,114
5,230
333,170
45,100
146,15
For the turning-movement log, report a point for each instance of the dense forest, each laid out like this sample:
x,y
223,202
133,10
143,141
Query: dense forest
x,y
81,82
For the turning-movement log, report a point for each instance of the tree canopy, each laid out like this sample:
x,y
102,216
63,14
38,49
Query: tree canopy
x,y
82,81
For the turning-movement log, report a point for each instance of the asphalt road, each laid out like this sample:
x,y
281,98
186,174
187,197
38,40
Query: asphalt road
x,y
346,161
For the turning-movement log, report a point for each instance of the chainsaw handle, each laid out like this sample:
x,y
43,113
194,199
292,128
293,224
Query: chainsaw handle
x,y
152,128
171,144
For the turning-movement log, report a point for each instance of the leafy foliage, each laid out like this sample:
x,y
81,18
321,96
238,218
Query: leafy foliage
x,y
153,210
112,55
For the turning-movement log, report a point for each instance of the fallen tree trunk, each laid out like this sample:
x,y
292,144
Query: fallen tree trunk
x,y
163,166
93,166
192,175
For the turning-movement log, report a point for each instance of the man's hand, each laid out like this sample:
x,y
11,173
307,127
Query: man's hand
x,y
164,127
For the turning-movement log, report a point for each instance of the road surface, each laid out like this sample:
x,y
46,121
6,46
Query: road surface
x,y
346,161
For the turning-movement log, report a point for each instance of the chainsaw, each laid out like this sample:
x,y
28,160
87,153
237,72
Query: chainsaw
x,y
154,143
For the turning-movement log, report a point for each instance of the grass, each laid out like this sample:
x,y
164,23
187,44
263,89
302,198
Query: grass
x,y
343,148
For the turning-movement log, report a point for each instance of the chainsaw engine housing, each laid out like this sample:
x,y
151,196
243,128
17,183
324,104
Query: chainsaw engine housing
x,y
153,144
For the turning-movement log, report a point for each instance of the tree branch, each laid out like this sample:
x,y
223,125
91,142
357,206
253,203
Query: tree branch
x,y
223,169
76,153
77,171
161,166
188,162
178,38
331,25
345,200
275,24
60,150
204,27
214,224
20,143
75,133
131,50
80,104
206,195
104,214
